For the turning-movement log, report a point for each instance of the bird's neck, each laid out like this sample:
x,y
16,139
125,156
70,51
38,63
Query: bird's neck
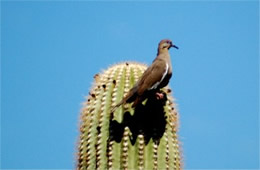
x,y
163,54
162,51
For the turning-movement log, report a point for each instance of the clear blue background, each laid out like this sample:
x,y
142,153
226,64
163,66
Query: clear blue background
x,y
51,50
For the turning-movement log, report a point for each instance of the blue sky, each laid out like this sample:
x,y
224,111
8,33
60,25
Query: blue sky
x,y
51,50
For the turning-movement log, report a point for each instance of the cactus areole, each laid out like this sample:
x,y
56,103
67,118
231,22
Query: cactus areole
x,y
144,137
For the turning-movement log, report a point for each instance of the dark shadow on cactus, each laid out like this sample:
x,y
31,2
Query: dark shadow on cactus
x,y
148,119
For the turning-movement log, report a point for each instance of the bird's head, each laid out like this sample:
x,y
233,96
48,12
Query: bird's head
x,y
166,44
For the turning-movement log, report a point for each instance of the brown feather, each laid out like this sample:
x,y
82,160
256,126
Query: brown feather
x,y
151,76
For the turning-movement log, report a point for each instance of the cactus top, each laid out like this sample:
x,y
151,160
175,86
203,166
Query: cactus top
x,y
144,137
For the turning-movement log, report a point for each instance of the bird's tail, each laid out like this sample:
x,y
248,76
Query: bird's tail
x,y
130,97
117,105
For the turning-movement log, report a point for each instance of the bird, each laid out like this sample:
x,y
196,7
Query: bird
x,y
155,77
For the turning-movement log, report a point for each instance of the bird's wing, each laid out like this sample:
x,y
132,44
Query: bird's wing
x,y
152,77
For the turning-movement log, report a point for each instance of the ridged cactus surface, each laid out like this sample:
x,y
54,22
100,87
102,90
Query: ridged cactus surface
x,y
144,137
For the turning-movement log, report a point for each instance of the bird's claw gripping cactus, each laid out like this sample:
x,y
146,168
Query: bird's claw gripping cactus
x,y
144,137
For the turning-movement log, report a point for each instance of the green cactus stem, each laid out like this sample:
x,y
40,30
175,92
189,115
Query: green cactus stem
x,y
144,137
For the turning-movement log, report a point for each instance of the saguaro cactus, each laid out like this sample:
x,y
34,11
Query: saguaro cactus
x,y
144,137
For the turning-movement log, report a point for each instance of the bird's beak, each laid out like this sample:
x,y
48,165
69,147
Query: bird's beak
x,y
174,46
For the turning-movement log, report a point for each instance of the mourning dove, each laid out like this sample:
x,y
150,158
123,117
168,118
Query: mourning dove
x,y
156,76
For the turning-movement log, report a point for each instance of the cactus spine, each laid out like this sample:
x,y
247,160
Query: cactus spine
x,y
140,138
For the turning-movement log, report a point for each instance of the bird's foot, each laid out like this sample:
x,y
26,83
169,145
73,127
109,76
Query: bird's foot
x,y
159,96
